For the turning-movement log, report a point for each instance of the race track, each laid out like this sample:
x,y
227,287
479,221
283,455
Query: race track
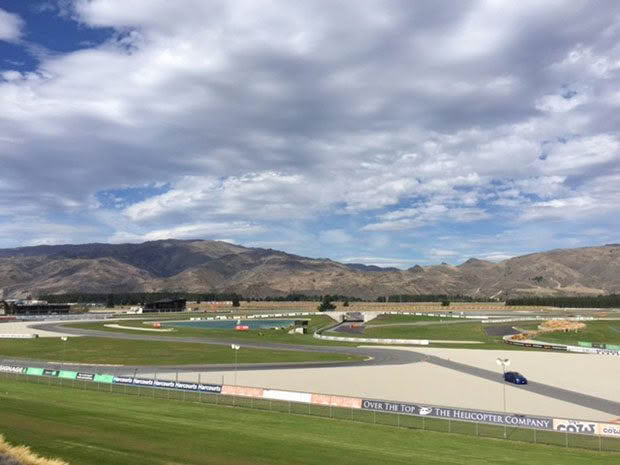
x,y
454,377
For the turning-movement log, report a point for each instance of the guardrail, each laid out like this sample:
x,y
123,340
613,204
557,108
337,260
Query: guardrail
x,y
534,429
559,347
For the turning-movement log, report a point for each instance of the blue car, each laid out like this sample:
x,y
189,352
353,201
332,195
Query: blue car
x,y
514,377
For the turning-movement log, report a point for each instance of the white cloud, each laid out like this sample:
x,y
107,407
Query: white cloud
x,y
11,26
269,115
335,236
559,103
578,154
191,231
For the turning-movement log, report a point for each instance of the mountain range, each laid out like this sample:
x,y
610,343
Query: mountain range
x,y
213,266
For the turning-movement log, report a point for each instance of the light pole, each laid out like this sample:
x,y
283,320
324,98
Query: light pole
x,y
64,340
236,348
504,362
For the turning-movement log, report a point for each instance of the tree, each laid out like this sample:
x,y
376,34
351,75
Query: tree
x,y
109,302
445,303
326,304
235,301
346,303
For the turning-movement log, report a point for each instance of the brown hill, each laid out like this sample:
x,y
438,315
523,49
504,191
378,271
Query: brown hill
x,y
212,266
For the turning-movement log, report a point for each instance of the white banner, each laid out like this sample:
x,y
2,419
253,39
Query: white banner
x,y
609,429
18,336
288,395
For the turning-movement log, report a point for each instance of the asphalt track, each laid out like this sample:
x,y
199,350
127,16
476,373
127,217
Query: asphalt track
x,y
373,356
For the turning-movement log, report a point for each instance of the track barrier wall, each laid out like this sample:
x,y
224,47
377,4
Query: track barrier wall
x,y
534,429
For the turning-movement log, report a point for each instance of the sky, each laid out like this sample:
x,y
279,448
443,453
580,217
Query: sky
x,y
391,133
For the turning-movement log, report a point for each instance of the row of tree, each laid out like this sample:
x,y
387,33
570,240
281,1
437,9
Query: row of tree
x,y
135,298
432,298
601,301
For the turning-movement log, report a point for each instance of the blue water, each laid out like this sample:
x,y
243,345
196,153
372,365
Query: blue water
x,y
230,324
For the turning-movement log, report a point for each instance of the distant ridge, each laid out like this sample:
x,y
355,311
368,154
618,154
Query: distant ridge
x,y
213,266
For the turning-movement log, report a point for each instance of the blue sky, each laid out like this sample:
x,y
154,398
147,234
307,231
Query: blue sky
x,y
380,132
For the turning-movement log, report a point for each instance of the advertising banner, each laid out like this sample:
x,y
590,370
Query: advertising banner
x,y
288,395
196,387
34,371
67,374
575,426
243,391
336,401
104,379
507,419
85,376
49,372
12,369
609,429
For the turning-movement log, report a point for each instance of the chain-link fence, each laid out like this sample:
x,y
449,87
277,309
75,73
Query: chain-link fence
x,y
399,420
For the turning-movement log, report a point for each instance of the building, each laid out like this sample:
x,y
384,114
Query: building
x,y
166,305
33,307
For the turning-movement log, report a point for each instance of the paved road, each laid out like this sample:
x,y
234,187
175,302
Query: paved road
x,y
375,356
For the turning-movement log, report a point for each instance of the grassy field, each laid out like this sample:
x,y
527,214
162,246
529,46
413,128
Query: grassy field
x,y
100,428
126,352
595,331
457,330
271,335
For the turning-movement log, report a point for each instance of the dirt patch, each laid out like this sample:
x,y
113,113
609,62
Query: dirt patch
x,y
561,325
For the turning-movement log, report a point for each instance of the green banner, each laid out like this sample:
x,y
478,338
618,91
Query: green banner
x,y
67,374
613,347
104,379
585,344
34,371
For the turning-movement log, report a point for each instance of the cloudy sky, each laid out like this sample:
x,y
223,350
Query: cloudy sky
x,y
378,132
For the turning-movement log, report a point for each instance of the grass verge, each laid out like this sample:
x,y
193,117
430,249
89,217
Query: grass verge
x,y
129,352
100,428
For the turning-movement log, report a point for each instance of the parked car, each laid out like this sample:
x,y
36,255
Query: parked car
x,y
514,377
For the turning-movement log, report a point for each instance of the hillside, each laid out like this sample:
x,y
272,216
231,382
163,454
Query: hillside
x,y
212,266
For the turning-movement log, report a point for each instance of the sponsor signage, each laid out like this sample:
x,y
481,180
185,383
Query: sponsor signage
x,y
104,379
67,374
18,336
48,372
608,429
34,371
575,426
85,376
525,421
12,369
196,387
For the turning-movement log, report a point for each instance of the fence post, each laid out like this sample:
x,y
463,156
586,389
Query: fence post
x,y
449,425
289,406
566,437
600,443
535,440
423,423
374,417
477,429
398,419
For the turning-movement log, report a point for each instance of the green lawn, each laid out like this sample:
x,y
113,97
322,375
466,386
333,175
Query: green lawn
x,y
459,331
271,335
101,428
595,331
128,352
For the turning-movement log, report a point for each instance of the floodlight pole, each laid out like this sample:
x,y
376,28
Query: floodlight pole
x,y
64,351
235,349
504,362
